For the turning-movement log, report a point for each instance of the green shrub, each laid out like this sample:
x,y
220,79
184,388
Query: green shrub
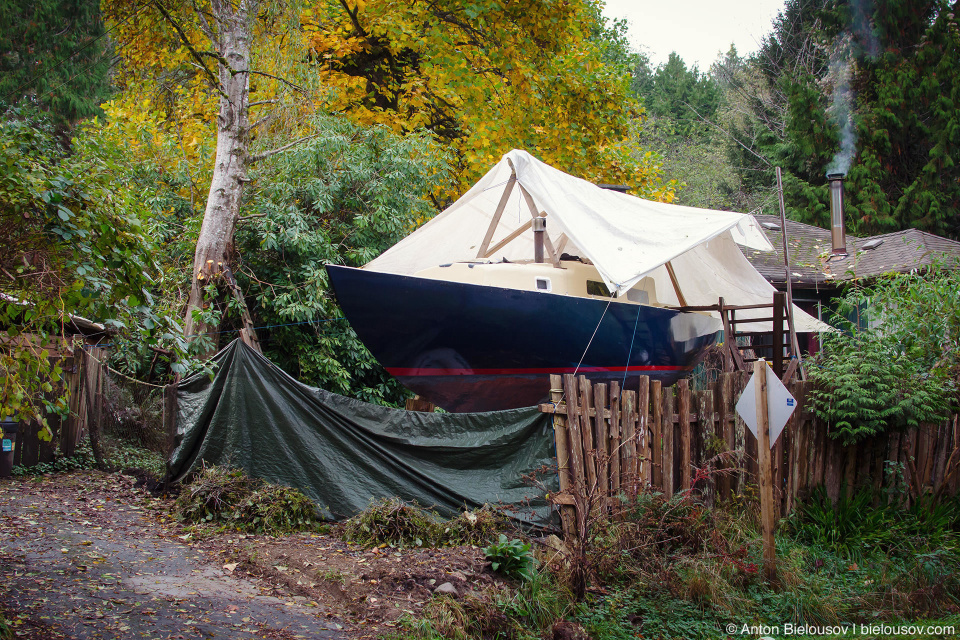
x,y
512,558
230,499
896,360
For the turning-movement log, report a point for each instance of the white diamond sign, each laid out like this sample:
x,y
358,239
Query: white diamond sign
x,y
780,405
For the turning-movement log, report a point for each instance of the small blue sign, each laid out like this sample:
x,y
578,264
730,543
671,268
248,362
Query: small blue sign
x,y
790,402
7,445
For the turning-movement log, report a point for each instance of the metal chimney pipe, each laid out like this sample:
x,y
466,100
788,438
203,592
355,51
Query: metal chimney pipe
x,y
539,229
837,231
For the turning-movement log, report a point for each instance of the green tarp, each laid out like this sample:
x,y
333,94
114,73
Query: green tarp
x,y
343,452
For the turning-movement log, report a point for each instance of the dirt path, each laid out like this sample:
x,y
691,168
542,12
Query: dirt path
x,y
86,555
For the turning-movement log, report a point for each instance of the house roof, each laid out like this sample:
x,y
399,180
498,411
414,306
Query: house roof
x,y
811,262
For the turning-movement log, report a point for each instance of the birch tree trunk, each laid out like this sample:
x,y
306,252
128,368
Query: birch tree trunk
x,y
231,36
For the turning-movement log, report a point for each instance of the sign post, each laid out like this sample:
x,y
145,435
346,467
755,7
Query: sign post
x,y
767,512
765,406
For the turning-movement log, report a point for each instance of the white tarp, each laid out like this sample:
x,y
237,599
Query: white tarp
x,y
624,236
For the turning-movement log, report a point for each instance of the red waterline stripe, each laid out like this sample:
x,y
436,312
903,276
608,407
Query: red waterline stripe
x,y
401,371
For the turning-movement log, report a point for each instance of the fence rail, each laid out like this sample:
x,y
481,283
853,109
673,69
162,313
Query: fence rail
x,y
613,442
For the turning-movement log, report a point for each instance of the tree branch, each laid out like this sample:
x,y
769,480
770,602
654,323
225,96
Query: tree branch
x,y
278,78
214,80
273,152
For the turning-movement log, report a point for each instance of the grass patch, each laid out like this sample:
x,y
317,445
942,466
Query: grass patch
x,y
671,568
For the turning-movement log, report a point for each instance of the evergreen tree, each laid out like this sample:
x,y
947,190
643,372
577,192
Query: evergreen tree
x,y
53,53
870,90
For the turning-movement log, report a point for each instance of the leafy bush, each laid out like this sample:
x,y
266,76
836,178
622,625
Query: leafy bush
x,y
230,499
512,558
896,362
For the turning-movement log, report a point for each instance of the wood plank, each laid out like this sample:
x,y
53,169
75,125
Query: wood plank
x,y
741,433
707,436
587,433
940,457
864,463
892,455
628,426
676,284
602,448
683,411
616,441
564,473
908,455
668,444
921,457
776,458
417,403
656,430
508,239
495,220
724,431
643,432
578,466
547,244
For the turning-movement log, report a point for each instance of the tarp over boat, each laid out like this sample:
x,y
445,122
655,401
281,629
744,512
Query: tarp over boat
x,y
626,237
343,453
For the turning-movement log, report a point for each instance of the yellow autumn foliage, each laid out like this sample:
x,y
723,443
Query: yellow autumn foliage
x,y
485,76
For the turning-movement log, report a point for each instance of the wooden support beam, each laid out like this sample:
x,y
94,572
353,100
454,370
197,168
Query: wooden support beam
x,y
676,284
495,220
514,234
548,245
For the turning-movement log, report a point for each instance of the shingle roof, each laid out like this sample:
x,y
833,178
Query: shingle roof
x,y
811,263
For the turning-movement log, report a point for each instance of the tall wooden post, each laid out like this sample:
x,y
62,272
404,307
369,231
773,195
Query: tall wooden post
x,y
767,511
567,515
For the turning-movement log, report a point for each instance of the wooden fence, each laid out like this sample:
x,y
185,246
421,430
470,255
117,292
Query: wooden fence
x,y
612,442
83,378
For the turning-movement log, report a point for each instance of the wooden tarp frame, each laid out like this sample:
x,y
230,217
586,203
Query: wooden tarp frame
x,y
486,250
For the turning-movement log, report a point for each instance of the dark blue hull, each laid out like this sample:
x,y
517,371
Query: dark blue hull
x,y
469,347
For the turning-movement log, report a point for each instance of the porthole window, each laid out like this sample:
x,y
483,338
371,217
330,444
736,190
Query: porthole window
x,y
543,284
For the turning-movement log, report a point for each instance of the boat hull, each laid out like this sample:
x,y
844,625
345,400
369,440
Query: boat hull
x,y
469,347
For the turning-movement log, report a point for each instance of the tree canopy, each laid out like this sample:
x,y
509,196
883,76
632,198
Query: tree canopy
x,y
53,53
870,94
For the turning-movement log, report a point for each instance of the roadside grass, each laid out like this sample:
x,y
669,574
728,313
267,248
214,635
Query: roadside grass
x,y
673,569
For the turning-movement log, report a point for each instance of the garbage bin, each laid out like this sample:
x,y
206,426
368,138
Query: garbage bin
x,y
8,446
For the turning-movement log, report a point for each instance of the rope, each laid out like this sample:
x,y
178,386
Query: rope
x,y
122,375
595,329
633,337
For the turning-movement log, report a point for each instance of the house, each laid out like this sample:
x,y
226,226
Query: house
x,y
819,273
